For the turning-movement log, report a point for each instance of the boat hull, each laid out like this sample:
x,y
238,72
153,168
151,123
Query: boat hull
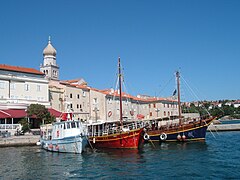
x,y
74,144
125,140
190,132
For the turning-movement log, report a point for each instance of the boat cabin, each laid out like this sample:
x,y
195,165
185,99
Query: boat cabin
x,y
59,130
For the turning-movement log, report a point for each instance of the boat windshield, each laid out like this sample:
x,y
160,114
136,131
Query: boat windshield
x,y
71,124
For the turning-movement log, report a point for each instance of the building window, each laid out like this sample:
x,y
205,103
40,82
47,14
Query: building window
x,y
164,113
2,85
12,86
38,88
154,105
149,105
71,106
78,96
71,95
95,100
150,113
77,106
26,87
84,93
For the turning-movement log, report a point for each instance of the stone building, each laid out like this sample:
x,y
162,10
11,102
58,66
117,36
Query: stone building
x,y
20,85
91,103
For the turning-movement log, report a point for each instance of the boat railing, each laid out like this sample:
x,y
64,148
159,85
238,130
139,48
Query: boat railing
x,y
117,129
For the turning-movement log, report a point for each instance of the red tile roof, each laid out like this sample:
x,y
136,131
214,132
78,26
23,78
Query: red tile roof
x,y
111,92
20,69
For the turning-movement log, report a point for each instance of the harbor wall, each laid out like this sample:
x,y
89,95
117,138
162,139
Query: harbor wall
x,y
25,140
224,127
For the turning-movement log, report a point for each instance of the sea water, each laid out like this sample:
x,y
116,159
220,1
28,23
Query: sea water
x,y
216,158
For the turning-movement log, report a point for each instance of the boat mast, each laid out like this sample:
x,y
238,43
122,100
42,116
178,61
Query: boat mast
x,y
120,91
179,102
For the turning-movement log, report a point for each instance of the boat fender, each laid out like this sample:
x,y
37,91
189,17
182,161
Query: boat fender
x,y
146,136
38,143
94,140
163,136
179,137
50,146
109,113
183,137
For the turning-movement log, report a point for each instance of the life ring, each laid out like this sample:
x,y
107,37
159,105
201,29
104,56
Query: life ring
x,y
163,136
146,136
109,113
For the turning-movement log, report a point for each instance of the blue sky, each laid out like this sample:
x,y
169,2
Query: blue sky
x,y
153,38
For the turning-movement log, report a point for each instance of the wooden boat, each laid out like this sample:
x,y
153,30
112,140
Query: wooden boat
x,y
180,129
116,134
67,136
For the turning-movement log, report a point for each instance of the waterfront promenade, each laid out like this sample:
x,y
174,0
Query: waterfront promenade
x,y
25,140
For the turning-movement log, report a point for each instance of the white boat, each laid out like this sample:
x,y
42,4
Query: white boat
x,y
67,136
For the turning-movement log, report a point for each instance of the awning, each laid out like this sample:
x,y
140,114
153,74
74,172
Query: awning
x,y
22,113
54,112
4,115
16,113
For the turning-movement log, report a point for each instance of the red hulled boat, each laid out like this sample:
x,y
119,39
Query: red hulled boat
x,y
116,134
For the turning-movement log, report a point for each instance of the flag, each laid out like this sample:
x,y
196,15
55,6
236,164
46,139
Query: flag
x,y
174,92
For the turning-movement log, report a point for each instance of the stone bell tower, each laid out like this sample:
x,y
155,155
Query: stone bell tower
x,y
49,66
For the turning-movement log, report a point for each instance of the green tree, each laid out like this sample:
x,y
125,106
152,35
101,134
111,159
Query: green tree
x,y
25,125
40,112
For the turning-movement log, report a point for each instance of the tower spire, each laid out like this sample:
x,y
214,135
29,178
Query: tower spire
x,y
50,67
49,39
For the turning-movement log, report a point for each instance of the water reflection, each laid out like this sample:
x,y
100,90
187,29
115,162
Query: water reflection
x,y
200,145
214,158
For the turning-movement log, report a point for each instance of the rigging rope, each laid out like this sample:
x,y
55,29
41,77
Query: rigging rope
x,y
165,86
195,95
